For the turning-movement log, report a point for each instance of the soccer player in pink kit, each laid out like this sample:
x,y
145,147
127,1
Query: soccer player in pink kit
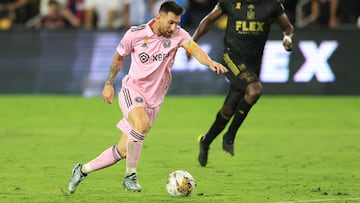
x,y
152,47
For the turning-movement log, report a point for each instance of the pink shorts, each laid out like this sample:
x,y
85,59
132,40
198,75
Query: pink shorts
x,y
128,100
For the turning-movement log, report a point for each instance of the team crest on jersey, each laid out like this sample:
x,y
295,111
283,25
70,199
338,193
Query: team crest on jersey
x,y
167,43
144,57
139,99
242,67
251,12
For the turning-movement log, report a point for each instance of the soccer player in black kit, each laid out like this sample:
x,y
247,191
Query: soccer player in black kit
x,y
247,29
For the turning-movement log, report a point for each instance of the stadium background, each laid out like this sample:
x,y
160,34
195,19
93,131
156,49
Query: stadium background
x,y
323,62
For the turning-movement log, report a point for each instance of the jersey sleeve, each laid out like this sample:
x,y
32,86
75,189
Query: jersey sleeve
x,y
279,8
221,4
185,37
125,46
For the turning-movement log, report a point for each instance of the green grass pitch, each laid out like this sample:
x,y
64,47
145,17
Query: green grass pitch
x,y
290,149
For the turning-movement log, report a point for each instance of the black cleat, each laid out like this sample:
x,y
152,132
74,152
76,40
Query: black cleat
x,y
228,147
203,155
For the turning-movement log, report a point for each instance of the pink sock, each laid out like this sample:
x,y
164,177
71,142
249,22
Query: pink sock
x,y
109,157
134,147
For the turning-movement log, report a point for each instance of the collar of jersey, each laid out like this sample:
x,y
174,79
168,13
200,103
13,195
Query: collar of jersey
x,y
149,31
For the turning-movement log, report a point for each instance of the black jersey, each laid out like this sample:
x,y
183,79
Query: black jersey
x,y
248,27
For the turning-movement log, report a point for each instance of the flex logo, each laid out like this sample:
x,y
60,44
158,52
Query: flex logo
x,y
249,26
315,65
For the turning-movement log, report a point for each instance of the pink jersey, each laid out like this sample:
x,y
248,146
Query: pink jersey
x,y
152,57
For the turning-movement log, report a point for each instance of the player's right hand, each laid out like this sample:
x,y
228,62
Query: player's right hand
x,y
287,43
108,94
217,67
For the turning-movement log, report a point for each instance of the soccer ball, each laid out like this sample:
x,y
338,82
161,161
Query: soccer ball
x,y
180,183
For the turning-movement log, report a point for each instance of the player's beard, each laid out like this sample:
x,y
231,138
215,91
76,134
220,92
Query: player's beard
x,y
165,33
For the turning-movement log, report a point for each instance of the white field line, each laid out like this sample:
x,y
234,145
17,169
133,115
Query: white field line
x,y
321,200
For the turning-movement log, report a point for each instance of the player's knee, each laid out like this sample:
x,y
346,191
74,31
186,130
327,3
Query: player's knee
x,y
253,92
226,112
142,126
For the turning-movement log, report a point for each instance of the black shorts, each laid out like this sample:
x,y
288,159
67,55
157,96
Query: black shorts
x,y
239,74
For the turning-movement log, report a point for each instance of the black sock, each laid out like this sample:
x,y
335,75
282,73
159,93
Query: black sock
x,y
239,116
218,125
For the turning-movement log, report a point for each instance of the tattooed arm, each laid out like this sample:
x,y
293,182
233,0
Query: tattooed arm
x,y
108,91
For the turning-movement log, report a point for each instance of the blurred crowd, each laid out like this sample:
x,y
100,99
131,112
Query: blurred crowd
x,y
119,14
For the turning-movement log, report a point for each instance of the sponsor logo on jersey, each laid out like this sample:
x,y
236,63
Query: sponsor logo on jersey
x,y
238,5
144,57
146,40
159,57
247,27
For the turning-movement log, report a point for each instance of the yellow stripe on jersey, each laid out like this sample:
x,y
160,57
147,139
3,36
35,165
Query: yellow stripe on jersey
x,y
231,65
190,46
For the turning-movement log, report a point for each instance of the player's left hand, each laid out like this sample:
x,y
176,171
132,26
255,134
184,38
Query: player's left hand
x,y
217,68
287,43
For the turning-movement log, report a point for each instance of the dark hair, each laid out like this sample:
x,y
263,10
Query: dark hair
x,y
171,6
